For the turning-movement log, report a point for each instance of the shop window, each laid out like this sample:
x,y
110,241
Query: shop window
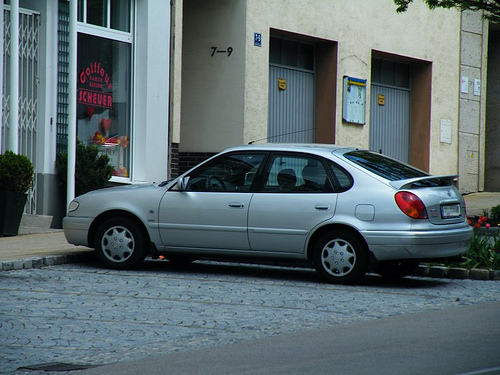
x,y
111,14
97,12
120,15
104,98
104,69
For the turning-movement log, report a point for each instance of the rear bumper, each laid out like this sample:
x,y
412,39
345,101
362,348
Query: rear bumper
x,y
387,245
76,230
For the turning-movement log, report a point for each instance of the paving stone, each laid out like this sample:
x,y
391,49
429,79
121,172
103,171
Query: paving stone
x,y
458,273
494,275
437,271
477,274
421,271
27,263
49,260
38,263
78,313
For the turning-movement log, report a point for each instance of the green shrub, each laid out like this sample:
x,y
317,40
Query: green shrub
x,y
495,214
92,170
482,252
16,173
484,248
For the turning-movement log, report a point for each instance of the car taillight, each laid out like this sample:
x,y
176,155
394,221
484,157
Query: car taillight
x,y
411,205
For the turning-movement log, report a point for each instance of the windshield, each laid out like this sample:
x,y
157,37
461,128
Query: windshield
x,y
383,166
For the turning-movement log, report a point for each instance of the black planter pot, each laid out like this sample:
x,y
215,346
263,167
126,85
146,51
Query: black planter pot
x,y
11,212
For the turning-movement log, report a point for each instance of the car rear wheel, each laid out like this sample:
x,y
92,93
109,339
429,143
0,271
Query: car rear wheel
x,y
120,244
396,269
340,257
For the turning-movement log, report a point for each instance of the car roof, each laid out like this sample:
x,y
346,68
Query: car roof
x,y
317,148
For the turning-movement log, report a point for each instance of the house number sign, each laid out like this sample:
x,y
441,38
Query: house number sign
x,y
217,50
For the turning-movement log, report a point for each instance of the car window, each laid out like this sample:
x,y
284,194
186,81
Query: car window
x,y
383,166
232,173
342,178
296,174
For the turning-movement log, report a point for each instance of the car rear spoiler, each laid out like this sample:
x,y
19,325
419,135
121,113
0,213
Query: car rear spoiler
x,y
420,181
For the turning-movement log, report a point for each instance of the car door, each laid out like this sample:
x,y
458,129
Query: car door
x,y
296,195
212,211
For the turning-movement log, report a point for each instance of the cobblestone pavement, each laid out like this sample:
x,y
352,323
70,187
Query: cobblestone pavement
x,y
81,314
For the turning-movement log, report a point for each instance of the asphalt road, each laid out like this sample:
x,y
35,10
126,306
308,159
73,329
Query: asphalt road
x,y
452,341
81,314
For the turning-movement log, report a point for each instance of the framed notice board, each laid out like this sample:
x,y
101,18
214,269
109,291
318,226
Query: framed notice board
x,y
354,100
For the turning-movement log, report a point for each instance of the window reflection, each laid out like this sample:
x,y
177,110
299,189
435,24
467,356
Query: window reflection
x,y
104,107
97,12
120,15
233,173
383,166
299,174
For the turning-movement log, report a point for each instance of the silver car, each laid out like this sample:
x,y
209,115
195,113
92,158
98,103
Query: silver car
x,y
345,210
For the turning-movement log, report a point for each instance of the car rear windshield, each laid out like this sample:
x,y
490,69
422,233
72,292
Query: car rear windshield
x,y
383,166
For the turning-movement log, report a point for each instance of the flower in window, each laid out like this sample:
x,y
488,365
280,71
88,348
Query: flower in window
x,y
99,138
121,172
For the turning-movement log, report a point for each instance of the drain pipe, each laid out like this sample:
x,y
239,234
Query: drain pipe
x,y
70,189
14,77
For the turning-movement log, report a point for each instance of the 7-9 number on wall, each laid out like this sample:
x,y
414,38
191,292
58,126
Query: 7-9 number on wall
x,y
228,50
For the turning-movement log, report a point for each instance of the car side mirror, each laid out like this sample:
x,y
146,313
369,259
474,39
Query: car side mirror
x,y
182,183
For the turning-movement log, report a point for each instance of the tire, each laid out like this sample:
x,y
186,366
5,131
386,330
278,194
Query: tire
x,y
340,257
396,269
120,244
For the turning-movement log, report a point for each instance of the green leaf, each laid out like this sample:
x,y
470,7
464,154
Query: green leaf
x,y
16,173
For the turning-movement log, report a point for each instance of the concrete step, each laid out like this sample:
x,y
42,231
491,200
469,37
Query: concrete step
x,y
35,224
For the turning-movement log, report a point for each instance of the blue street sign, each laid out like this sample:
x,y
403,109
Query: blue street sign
x,y
257,39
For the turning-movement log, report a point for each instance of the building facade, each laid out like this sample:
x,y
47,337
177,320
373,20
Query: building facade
x,y
123,58
162,85
492,133
276,72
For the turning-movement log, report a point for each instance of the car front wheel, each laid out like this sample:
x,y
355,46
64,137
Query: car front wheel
x,y
340,257
120,244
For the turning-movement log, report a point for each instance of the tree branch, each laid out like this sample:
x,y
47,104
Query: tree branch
x,y
491,7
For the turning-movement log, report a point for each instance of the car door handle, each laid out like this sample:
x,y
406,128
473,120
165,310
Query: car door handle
x,y
236,205
322,207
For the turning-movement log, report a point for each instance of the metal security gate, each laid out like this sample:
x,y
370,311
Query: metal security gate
x,y
29,26
291,105
390,121
63,78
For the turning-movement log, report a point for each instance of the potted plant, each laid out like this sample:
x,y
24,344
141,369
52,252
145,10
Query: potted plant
x,y
16,178
92,170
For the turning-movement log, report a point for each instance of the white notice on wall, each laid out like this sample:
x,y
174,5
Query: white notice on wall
x,y
464,85
445,131
354,100
477,87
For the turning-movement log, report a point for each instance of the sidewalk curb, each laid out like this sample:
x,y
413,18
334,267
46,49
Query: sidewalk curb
x,y
438,272
45,261
456,273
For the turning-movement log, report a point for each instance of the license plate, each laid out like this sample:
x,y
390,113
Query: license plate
x,y
451,211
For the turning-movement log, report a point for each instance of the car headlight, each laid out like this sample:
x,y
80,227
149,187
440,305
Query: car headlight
x,y
73,206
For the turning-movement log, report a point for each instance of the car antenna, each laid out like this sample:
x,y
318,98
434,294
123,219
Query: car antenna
x,y
281,135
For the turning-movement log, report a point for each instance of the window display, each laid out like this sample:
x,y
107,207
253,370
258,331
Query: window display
x,y
104,98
